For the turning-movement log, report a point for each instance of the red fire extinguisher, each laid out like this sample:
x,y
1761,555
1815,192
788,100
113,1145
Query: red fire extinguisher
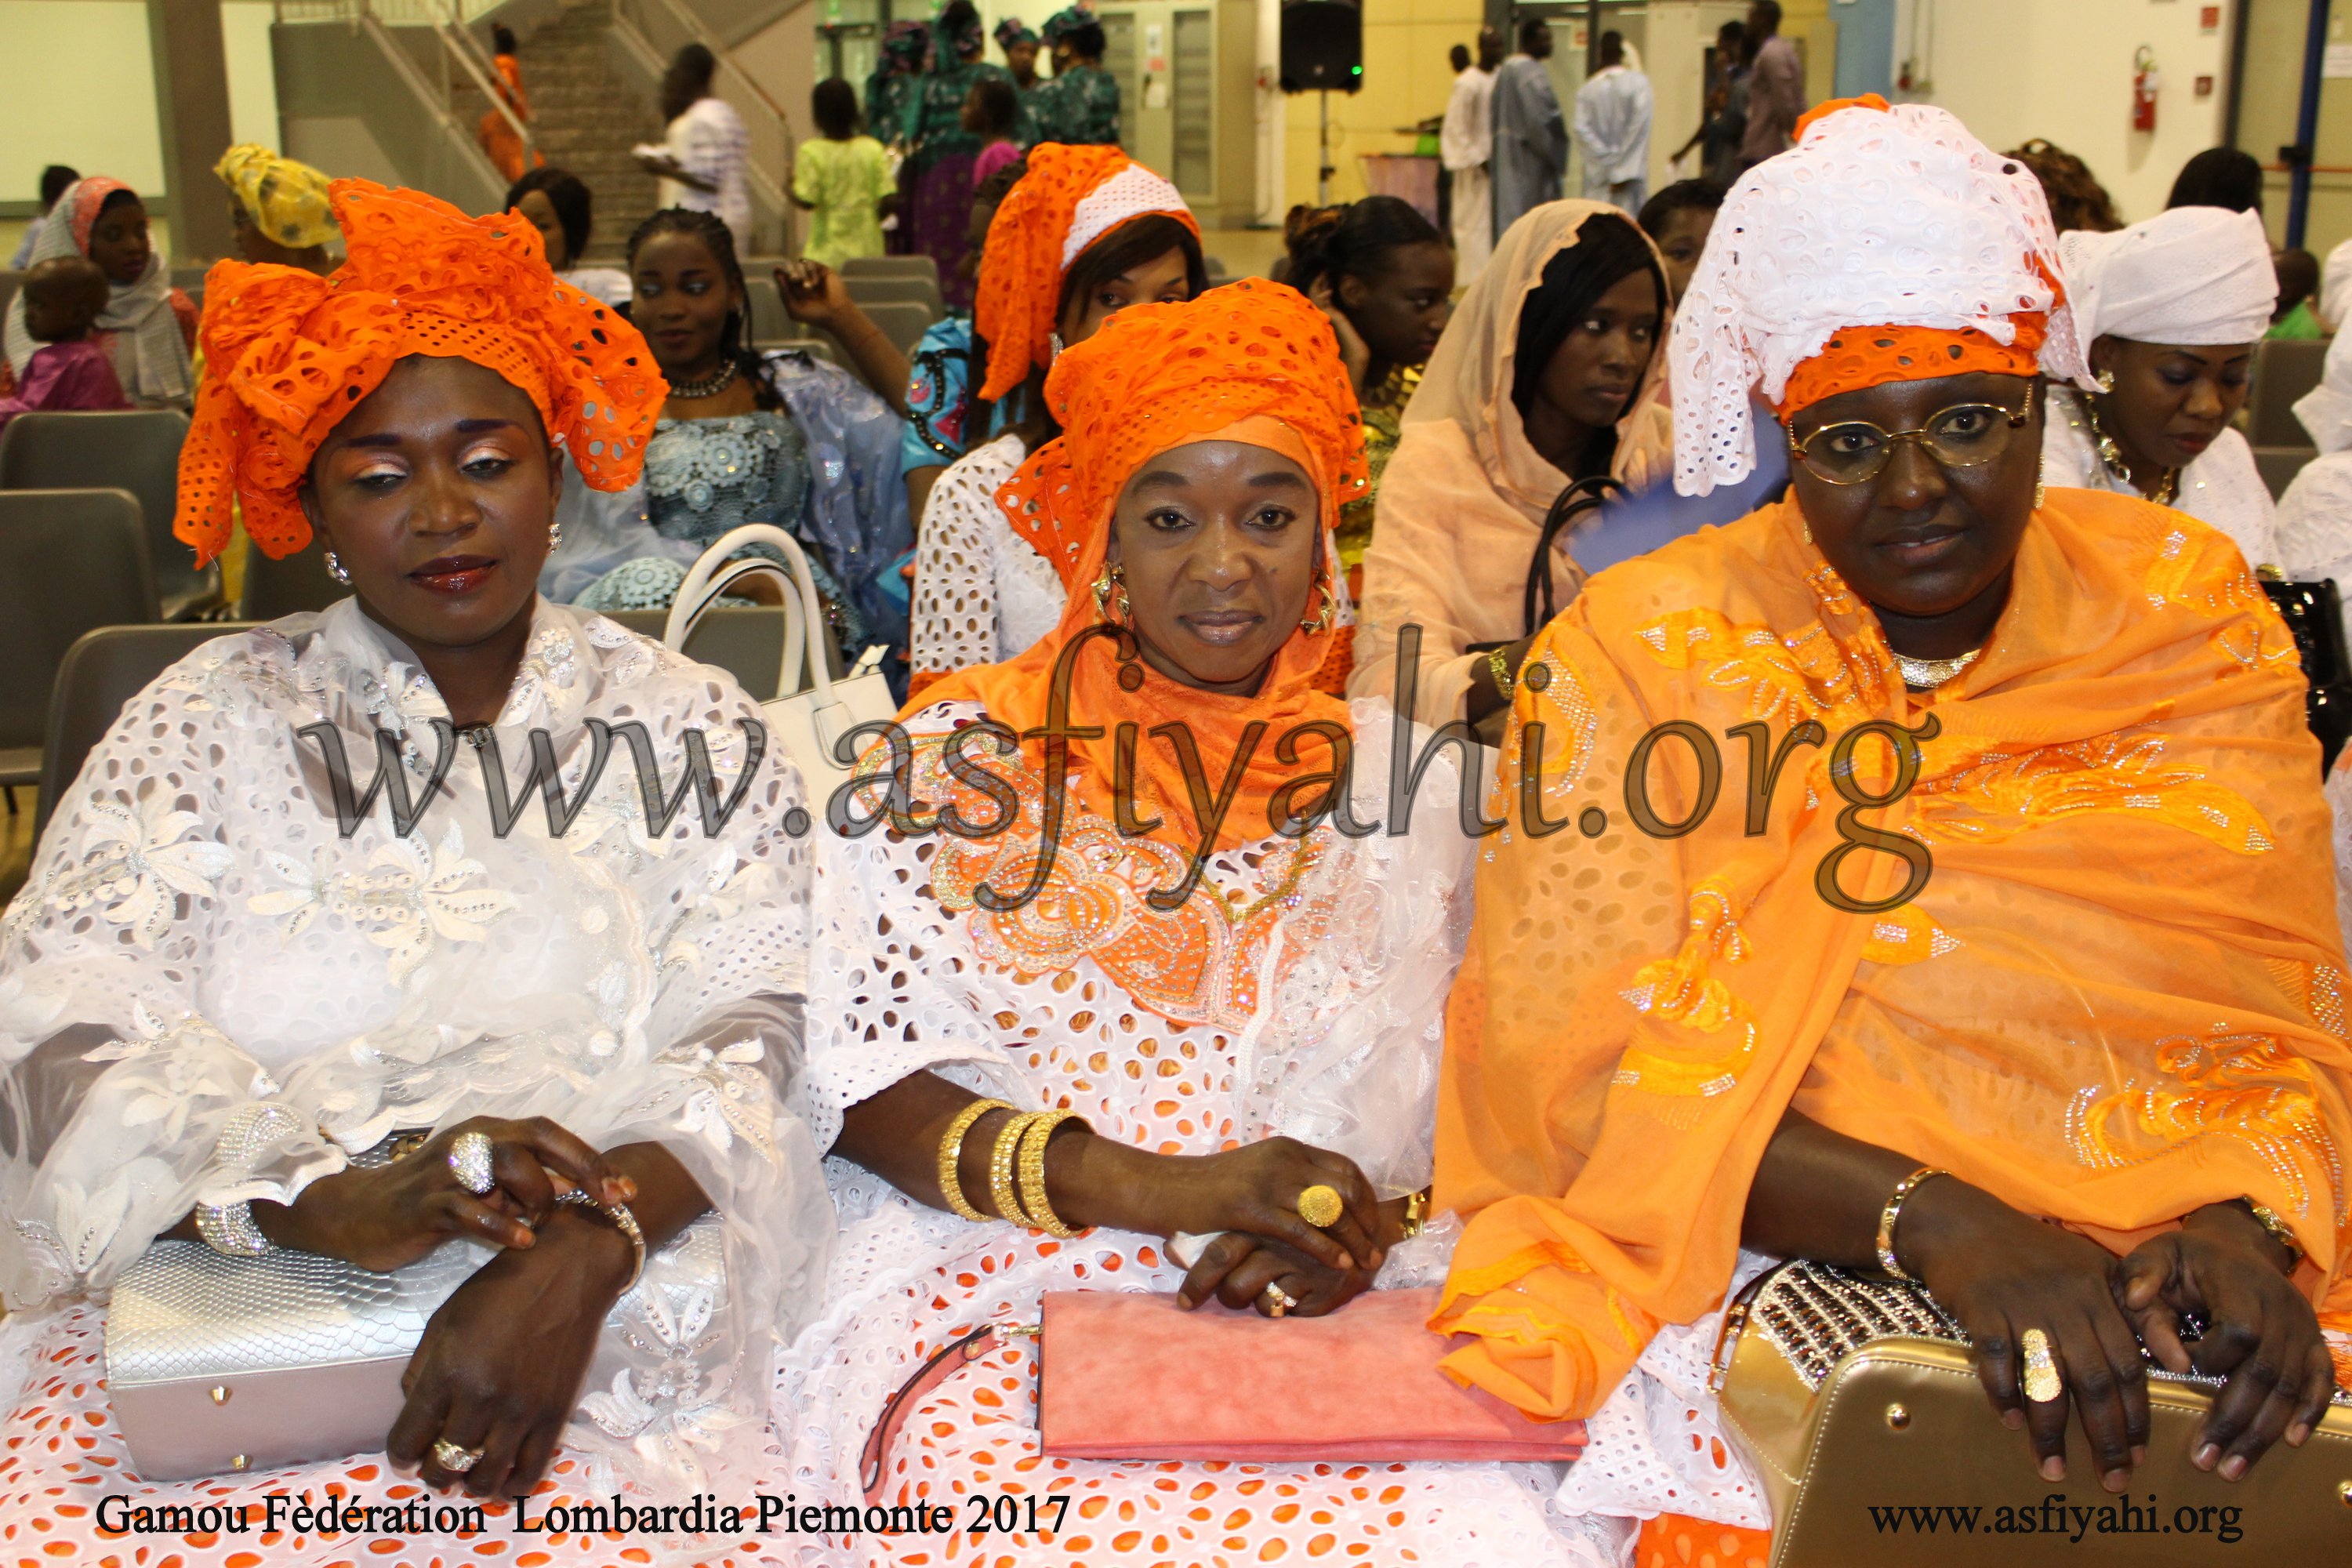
x,y
2146,81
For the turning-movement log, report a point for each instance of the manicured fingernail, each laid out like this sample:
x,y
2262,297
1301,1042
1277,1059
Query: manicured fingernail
x,y
2115,1481
2012,1419
2139,1455
2054,1468
1346,1262
2204,1457
2298,1435
2233,1466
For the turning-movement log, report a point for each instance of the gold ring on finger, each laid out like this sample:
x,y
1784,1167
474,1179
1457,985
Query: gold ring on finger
x,y
1276,1300
1320,1206
2042,1383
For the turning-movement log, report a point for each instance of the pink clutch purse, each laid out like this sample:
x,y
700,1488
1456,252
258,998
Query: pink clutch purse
x,y
1130,1376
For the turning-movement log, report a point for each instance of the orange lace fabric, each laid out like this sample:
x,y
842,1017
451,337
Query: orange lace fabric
x,y
288,355
1872,356
1020,266
1251,362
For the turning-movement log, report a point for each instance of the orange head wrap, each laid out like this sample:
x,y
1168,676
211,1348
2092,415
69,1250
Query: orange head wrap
x,y
1070,197
1251,362
288,355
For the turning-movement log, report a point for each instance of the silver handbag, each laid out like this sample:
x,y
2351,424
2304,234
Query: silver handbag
x,y
216,1364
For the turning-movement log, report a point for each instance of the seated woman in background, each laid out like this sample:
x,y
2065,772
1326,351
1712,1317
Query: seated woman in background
x,y
744,436
213,994
2090,1054
2314,515
148,326
1384,276
279,209
560,207
1087,233
940,399
1189,503
1678,219
2171,310
2077,198
63,296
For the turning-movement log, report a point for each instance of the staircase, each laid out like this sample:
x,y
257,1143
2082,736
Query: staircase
x,y
585,116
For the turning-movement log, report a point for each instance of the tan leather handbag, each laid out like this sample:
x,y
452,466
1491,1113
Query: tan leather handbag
x,y
1856,1401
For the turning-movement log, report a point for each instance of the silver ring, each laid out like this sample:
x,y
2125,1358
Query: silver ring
x,y
452,1458
1276,1300
469,1158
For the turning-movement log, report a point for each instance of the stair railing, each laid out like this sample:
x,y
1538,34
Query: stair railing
x,y
375,17
654,30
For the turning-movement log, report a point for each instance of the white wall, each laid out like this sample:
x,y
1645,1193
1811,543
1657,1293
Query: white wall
x,y
81,90
2062,69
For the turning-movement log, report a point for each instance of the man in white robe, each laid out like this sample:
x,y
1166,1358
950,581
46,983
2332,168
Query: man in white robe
x,y
1613,126
1531,154
1466,143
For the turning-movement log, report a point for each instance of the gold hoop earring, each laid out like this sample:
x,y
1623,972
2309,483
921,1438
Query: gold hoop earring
x,y
1113,581
1323,616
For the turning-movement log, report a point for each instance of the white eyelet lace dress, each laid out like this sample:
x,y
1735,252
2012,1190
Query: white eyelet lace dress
x,y
983,594
200,950
2222,486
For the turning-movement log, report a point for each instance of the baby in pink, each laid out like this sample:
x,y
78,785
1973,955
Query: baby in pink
x,y
70,370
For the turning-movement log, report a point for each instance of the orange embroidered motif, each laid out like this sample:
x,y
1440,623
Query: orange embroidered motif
x,y
2205,574
2007,793
1198,963
1905,935
2244,1086
1516,1316
1809,676
1683,989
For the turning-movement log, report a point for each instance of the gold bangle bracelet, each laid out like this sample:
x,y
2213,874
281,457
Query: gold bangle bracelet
x,y
1416,1215
2280,1232
952,1155
1034,1138
1499,668
1000,1167
1893,1212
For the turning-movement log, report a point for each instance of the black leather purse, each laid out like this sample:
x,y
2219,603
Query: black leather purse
x,y
2314,613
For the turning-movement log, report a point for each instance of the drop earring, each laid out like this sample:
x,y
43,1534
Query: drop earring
x,y
2040,489
1053,347
1322,621
1111,581
335,569
2106,381
555,533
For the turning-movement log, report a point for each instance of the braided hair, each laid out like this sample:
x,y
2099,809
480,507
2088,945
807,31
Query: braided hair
x,y
1350,241
734,338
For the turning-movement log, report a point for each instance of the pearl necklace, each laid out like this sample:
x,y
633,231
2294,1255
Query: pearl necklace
x,y
1926,674
710,386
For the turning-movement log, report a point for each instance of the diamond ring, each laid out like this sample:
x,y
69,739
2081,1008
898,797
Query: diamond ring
x,y
470,1157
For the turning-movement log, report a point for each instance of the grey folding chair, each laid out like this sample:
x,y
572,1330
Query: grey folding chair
x,y
768,319
69,561
902,321
274,588
891,267
882,288
136,450
104,669
2284,369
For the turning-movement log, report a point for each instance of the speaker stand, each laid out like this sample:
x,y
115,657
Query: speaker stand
x,y
1324,171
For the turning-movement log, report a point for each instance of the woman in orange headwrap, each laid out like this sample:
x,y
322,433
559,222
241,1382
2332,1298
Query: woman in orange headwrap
x,y
240,966
1174,939
1084,232
2055,1009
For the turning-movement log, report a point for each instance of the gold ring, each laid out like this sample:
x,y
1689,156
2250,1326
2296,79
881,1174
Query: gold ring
x,y
1277,1301
2042,1383
1320,1205
452,1458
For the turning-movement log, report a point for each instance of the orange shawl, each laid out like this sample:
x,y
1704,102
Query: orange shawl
x,y
1154,377
2119,996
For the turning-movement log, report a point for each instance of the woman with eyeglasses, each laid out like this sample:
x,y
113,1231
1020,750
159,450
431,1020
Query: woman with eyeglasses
x,y
2170,311
1925,877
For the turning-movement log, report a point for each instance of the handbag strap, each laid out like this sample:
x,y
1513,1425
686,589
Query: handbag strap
x,y
691,602
727,575
1581,496
945,1361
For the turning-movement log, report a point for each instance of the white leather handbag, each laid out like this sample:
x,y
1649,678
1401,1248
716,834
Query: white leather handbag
x,y
809,719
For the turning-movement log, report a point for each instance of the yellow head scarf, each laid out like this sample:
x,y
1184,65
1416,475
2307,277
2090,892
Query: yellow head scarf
x,y
288,200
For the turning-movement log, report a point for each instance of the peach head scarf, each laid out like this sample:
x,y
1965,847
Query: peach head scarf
x,y
288,353
1070,197
1461,506
1251,362
1887,244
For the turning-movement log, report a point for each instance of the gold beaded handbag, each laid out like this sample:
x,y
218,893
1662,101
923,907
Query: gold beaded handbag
x,y
1856,1401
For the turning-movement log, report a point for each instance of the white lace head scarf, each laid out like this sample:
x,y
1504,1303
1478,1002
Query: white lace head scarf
x,y
1878,217
2193,276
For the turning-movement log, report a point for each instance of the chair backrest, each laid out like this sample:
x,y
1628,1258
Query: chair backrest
x,y
299,581
879,289
69,561
902,321
747,643
101,671
891,267
768,319
136,450
10,281
2279,466
2284,369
